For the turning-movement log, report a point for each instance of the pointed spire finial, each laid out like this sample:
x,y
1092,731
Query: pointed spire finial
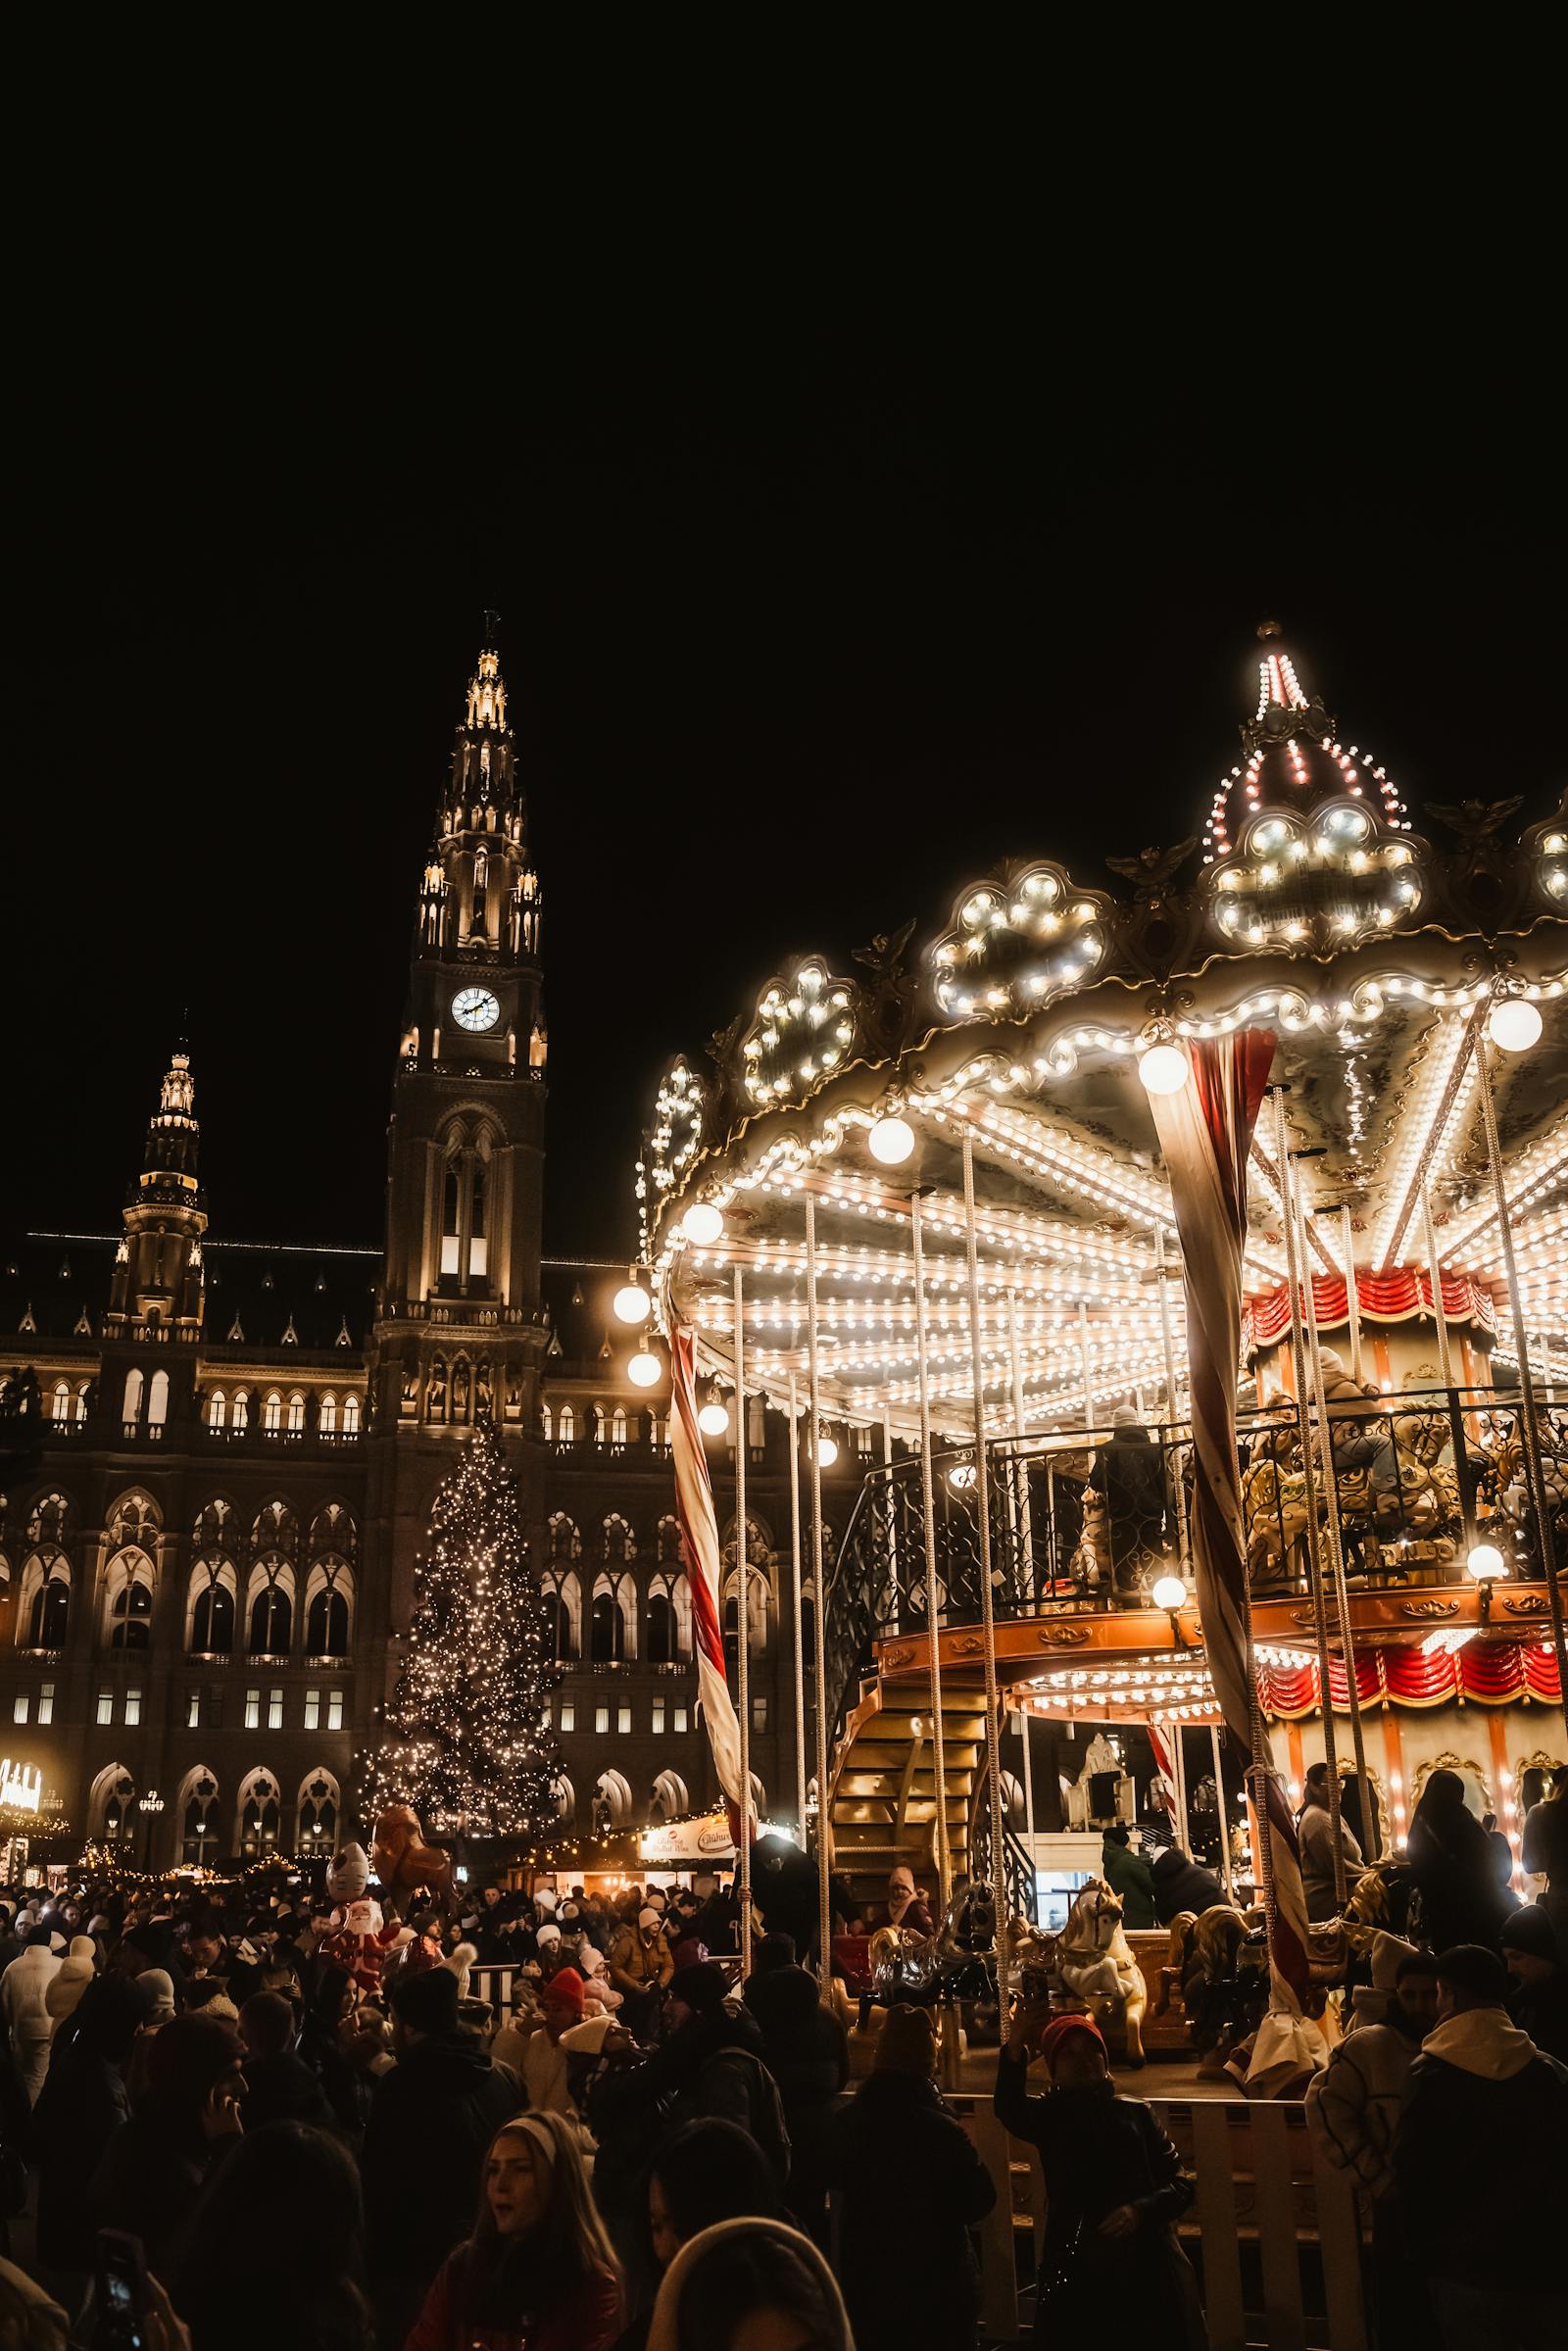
x,y
492,621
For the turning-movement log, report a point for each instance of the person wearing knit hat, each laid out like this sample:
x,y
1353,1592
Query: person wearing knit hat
x,y
906,2045
640,1967
740,2270
1114,2190
1538,2000
546,1934
563,1993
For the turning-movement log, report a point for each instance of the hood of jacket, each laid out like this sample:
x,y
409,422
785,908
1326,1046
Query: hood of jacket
x,y
664,2326
784,1996
1481,2041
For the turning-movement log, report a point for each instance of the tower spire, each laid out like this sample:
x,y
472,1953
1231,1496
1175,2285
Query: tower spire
x,y
158,1266
1293,757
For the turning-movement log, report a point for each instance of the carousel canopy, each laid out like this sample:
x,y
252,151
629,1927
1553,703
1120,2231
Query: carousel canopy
x,y
1034,1021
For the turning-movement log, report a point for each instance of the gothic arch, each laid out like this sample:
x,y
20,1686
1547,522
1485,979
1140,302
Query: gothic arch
x,y
563,1599
258,1815
131,1581
212,1603
111,1806
43,1602
669,1540
332,1528
133,1519
328,1608
613,1637
670,1801
215,1526
318,1809
275,1528
196,1817
615,1787
618,1543
669,1618
565,1543
269,1596
51,1518
565,1799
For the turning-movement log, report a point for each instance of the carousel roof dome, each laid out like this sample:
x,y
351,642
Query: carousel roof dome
x,y
1294,759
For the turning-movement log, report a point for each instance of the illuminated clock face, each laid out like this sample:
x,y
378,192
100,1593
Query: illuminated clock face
x,y
475,1008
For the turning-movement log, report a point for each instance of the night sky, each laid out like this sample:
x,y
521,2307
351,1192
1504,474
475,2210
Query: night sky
x,y
796,645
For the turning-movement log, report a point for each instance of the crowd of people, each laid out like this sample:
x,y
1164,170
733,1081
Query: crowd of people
x,y
318,2128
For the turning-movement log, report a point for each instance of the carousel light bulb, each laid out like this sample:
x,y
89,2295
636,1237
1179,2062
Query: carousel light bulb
x,y
714,1420
644,1370
827,1452
631,1304
1486,1562
1170,1593
962,1476
1514,1024
891,1141
1164,1069
701,1223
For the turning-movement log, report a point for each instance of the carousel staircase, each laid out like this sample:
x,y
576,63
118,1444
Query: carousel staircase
x,y
884,1794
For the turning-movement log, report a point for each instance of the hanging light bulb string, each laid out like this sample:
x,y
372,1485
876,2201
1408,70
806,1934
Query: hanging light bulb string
x,y
743,1859
794,1595
928,1511
819,1614
1303,1426
999,1876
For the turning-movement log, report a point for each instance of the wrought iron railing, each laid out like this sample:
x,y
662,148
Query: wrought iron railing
x,y
1090,1521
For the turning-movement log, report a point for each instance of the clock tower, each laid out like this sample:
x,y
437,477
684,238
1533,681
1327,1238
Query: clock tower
x,y
460,1335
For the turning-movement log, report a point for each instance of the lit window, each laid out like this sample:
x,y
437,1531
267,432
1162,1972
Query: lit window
x,y
759,1714
272,1410
132,1707
274,1710
193,1711
313,1710
658,1716
18,1711
602,1720
568,1715
106,1705
46,1703
334,1710
252,1710
680,1718
623,1720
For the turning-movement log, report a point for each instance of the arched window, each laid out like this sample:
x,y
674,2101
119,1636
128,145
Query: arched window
x,y
466,1205
198,1809
566,1426
59,1401
317,1813
600,1421
295,1411
130,1409
158,1400
242,1408
334,1529
669,1801
213,1529
612,1632
669,1620
669,1540
351,1414
618,1425
49,1521
215,1409
612,1802
565,1799
621,1542
82,1394
212,1608
563,1599
564,1541
435,1389
43,1602
260,1816
275,1528
128,1593
270,1612
111,1807
328,1598
271,1412
327,1418
546,1425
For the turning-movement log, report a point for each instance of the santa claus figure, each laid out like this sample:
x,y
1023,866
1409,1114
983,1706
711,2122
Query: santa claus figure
x,y
358,1938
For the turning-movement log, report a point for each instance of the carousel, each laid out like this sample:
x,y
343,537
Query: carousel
x,y
1185,1259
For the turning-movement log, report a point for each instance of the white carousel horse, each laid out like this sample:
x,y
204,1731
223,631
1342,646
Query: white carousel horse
x,y
1094,1961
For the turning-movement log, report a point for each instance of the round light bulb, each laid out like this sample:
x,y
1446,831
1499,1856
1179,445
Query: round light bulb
x,y
701,1223
1164,1069
714,1420
1170,1593
962,1476
827,1452
1486,1562
632,1303
1514,1024
891,1140
644,1370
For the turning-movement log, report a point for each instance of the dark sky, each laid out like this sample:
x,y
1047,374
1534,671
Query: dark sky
x,y
800,640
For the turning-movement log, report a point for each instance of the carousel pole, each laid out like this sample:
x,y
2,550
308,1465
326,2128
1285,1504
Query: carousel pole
x,y
1352,1296
1292,1275
1335,1535
928,1510
893,1509
1020,1467
1170,1395
820,1612
1083,1360
1535,1476
743,1860
1435,1279
999,1879
1224,1818
794,1595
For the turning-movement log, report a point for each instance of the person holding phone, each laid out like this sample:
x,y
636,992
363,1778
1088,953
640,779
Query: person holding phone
x,y
150,2169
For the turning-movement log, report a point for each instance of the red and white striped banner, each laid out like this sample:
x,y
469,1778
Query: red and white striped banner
x,y
699,1540
1206,1133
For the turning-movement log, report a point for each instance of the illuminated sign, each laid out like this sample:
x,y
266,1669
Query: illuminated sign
x,y
20,1784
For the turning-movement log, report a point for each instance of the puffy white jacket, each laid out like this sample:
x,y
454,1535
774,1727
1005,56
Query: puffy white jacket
x,y
24,1991
1352,2107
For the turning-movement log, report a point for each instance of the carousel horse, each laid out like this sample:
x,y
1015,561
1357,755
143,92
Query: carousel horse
x,y
1031,1958
934,1967
1095,1964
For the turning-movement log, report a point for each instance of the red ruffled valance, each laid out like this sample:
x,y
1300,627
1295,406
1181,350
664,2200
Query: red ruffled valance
x,y
1494,1673
1397,1296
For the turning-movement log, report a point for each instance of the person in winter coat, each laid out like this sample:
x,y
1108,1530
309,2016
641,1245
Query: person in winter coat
x,y
536,2272
1537,2002
324,2047
1314,1835
1481,2165
1457,1898
282,2088
1114,2188
909,2180
807,2051
1544,1850
71,1980
1354,1440
702,2173
1129,1876
84,2102
639,1966
750,2281
1181,1885
710,2063
272,2252
432,2117
25,2005
151,2170
1129,1474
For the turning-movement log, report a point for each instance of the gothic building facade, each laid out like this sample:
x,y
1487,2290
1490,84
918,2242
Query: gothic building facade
x,y
217,1459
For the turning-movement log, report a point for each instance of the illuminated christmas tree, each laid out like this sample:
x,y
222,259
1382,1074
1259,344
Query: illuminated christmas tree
x,y
465,1738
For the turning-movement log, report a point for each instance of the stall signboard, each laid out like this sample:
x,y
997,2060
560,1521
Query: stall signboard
x,y
697,1844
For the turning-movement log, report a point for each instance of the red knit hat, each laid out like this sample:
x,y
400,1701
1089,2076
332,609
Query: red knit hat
x,y
564,1989
1058,2030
